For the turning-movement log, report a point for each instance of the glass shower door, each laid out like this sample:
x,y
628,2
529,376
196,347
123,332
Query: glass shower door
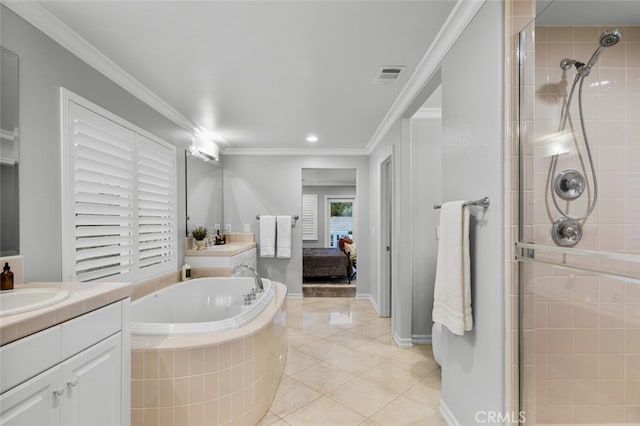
x,y
579,236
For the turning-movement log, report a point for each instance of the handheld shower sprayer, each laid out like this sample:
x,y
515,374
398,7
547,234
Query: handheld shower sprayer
x,y
570,184
607,39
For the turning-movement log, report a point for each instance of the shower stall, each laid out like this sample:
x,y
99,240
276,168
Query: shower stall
x,y
578,246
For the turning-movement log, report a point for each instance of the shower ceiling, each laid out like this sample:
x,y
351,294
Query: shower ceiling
x,y
587,12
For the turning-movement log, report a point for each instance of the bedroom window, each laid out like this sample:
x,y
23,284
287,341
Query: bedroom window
x,y
119,197
340,219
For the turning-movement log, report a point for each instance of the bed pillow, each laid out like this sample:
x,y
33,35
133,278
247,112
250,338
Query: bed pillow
x,y
351,249
342,241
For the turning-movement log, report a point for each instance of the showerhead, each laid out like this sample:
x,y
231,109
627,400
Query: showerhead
x,y
610,38
607,39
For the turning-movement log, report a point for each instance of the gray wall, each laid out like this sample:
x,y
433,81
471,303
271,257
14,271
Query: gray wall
x,y
323,191
44,67
426,154
417,156
256,185
472,167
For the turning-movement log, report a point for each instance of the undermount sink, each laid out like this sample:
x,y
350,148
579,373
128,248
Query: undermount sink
x,y
28,299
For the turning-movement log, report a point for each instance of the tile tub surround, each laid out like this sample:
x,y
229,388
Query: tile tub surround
x,y
83,298
220,378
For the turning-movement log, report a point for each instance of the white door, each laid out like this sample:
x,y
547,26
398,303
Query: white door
x,y
92,381
35,402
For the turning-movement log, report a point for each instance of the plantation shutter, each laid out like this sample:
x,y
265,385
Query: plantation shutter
x,y
102,153
309,217
156,210
119,197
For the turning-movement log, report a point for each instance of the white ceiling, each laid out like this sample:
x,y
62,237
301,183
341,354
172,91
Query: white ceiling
x,y
265,74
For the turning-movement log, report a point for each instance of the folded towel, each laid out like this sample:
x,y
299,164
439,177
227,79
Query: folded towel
x,y
283,229
267,236
452,292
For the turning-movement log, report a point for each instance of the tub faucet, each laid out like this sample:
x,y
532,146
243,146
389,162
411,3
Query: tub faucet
x,y
259,284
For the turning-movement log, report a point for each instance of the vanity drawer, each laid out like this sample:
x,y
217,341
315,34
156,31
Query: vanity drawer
x,y
82,332
28,357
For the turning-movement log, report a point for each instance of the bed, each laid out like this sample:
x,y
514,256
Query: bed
x,y
326,262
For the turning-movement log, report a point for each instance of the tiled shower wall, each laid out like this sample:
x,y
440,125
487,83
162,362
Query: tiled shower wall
x,y
582,333
612,110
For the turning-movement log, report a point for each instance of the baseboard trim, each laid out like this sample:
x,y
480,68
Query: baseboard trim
x,y
447,415
375,305
422,339
294,295
402,342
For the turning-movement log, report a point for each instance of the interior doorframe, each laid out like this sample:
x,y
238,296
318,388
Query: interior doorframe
x,y
385,225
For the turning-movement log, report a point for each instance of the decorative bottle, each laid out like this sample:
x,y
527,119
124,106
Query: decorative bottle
x,y
6,278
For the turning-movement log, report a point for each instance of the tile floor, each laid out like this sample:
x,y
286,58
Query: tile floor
x,y
343,369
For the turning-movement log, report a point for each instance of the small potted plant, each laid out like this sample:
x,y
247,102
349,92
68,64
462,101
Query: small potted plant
x,y
199,233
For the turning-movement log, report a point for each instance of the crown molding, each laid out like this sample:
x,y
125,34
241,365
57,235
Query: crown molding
x,y
41,18
294,152
428,113
462,13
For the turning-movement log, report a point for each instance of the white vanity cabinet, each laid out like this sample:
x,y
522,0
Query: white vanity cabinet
x,y
74,373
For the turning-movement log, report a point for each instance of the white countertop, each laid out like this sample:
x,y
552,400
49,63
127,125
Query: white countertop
x,y
229,249
83,298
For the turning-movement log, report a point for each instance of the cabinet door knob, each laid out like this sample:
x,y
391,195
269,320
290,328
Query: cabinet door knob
x,y
73,382
58,392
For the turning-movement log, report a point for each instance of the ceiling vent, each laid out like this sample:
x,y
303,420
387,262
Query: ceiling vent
x,y
388,74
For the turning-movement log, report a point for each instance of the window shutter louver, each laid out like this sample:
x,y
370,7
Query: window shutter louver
x,y
156,212
102,153
309,217
119,190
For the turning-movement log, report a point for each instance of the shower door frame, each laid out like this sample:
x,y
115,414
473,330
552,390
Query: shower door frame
x,y
525,251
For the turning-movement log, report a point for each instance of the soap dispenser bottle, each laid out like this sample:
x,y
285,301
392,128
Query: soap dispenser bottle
x,y
6,278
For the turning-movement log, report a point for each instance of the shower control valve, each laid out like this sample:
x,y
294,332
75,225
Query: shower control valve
x,y
569,184
566,232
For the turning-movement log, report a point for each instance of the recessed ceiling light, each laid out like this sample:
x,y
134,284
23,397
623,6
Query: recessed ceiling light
x,y
312,138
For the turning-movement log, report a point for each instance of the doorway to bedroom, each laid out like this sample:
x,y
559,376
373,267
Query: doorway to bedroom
x,y
329,230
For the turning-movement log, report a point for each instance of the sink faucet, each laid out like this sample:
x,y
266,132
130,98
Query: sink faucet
x,y
259,284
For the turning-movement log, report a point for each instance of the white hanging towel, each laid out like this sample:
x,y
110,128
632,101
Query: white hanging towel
x,y
267,236
452,292
283,229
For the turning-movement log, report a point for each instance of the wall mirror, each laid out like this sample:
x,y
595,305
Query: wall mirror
x,y
203,185
9,155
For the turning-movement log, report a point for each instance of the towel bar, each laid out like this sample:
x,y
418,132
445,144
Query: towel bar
x,y
483,202
293,223
294,217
